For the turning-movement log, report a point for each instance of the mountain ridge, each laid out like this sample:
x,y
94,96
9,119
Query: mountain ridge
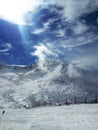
x,y
55,81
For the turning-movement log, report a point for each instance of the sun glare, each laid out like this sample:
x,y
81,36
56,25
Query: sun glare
x,y
14,10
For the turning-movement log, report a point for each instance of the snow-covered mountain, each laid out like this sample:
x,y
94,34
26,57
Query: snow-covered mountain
x,y
51,82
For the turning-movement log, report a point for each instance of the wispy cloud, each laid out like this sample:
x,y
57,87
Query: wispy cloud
x,y
5,47
87,62
74,9
38,31
76,42
80,28
57,29
65,17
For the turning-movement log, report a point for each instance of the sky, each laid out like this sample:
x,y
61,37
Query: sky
x,y
40,29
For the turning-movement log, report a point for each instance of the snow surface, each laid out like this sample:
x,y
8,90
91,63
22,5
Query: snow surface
x,y
71,117
31,85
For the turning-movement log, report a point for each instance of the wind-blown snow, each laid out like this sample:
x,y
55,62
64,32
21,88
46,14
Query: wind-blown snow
x,y
72,72
33,86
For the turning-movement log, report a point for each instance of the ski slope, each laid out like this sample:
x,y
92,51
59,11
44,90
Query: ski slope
x,y
72,117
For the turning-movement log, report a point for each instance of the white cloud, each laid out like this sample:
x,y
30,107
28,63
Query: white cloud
x,y
75,8
48,23
6,47
60,33
78,41
80,28
87,61
38,31
42,52
72,10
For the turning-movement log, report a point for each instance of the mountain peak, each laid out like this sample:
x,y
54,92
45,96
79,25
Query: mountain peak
x,y
26,85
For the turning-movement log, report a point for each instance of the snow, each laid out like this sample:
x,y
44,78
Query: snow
x,y
29,85
23,87
71,117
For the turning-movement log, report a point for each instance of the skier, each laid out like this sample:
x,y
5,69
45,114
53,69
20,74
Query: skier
x,y
3,111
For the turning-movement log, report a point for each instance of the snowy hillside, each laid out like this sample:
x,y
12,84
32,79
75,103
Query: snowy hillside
x,y
51,82
73,117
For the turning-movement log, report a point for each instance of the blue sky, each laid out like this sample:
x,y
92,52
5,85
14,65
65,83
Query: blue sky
x,y
66,30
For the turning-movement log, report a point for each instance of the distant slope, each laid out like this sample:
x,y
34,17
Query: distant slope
x,y
53,81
